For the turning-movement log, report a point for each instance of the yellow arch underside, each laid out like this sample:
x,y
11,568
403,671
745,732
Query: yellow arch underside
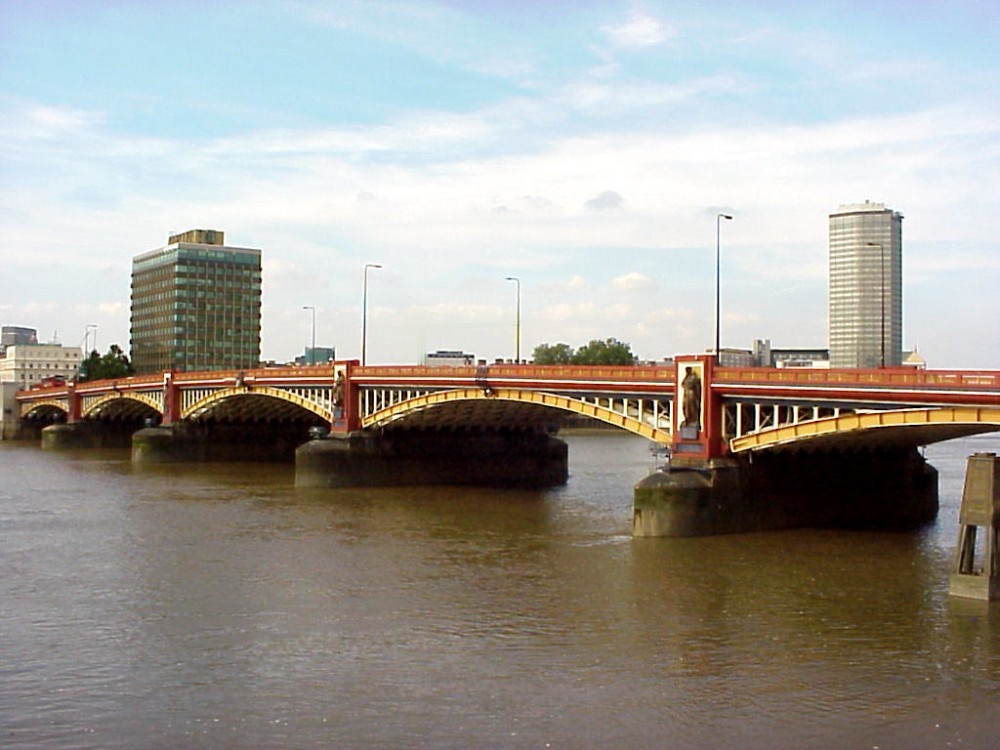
x,y
60,404
236,392
865,421
401,409
142,398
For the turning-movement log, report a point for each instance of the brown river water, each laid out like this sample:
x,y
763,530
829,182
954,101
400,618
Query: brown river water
x,y
217,606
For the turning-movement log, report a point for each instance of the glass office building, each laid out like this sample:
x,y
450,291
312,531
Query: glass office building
x,y
15,335
866,286
196,305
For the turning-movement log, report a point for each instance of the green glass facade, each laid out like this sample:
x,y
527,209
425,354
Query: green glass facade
x,y
196,307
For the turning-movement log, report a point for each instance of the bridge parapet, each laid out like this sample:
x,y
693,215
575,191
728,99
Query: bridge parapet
x,y
902,377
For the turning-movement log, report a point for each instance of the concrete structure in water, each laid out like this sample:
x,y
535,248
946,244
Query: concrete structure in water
x,y
976,573
464,457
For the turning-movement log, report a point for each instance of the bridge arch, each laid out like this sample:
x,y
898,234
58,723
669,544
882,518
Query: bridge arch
x,y
122,403
246,403
46,409
901,427
489,406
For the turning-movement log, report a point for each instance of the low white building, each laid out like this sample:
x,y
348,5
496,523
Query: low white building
x,y
27,364
453,358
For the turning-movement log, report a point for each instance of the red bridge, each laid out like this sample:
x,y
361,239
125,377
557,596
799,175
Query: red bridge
x,y
728,411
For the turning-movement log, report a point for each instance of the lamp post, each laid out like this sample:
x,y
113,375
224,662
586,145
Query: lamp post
x,y
517,323
881,260
312,351
718,221
86,338
86,347
364,312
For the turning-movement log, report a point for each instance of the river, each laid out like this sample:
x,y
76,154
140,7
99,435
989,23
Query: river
x,y
217,606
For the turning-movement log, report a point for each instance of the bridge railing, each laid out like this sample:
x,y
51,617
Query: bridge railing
x,y
891,377
639,373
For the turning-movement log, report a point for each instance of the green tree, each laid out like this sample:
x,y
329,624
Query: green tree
x,y
114,364
606,352
557,354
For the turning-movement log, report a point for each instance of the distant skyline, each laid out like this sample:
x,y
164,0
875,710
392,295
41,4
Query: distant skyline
x,y
584,148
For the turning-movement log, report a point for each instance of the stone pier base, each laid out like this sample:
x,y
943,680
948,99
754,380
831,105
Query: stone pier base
x,y
403,458
184,442
163,445
84,435
890,489
65,436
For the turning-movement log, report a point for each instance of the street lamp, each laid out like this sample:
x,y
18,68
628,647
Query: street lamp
x,y
364,311
718,221
312,351
517,326
881,260
86,338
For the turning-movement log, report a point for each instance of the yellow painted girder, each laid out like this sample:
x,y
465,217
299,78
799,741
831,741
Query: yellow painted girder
x,y
205,403
418,403
30,406
864,421
96,404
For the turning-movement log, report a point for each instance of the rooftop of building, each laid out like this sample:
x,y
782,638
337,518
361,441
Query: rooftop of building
x,y
861,208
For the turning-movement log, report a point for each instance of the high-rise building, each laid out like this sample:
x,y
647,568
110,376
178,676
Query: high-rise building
x,y
14,335
196,305
866,286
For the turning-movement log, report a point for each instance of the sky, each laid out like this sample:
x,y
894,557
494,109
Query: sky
x,y
584,148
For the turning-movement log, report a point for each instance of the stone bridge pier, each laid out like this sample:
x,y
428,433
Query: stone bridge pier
x,y
61,436
205,441
709,490
402,457
880,489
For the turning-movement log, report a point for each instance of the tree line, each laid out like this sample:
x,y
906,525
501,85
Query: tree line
x,y
597,352
114,364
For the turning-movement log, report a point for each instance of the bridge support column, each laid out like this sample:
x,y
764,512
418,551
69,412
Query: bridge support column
x,y
363,459
698,500
974,576
66,436
84,435
890,489
186,442
165,444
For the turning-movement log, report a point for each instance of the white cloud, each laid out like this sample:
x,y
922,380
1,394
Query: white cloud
x,y
632,282
48,121
638,30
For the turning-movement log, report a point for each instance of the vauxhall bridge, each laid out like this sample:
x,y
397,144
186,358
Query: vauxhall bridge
x,y
739,411
750,448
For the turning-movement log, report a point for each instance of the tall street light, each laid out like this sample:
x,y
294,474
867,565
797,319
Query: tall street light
x,y
517,325
312,351
364,312
881,260
86,338
718,221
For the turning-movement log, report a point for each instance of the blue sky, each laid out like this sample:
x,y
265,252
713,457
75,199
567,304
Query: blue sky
x,y
583,147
